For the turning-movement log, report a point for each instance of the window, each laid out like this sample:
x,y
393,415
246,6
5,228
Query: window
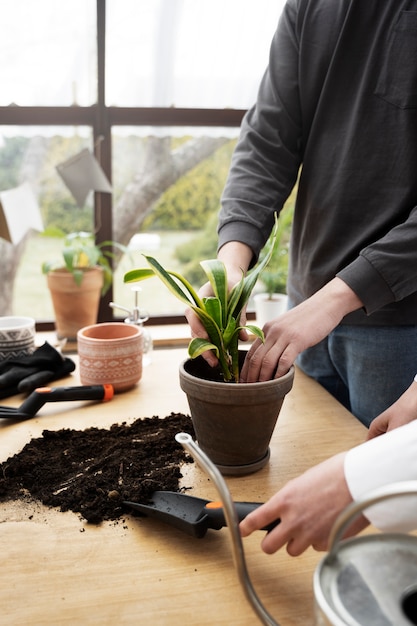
x,y
49,53
132,81
183,53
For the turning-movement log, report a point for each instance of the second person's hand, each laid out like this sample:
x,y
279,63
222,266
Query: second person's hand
x,y
307,508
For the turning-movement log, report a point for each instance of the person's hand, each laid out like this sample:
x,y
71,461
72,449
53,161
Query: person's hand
x,y
403,411
307,507
297,329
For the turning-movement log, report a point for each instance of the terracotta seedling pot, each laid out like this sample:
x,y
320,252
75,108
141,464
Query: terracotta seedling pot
x,y
110,353
74,305
233,422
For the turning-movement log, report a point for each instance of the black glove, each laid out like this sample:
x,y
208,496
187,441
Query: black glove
x,y
26,373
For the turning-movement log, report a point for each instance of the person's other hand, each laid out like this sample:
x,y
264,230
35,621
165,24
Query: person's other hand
x,y
297,329
403,411
307,507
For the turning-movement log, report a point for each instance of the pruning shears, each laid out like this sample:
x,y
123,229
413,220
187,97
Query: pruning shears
x,y
189,514
42,395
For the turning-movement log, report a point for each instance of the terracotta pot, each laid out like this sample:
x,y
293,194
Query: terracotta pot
x,y
74,306
110,354
233,422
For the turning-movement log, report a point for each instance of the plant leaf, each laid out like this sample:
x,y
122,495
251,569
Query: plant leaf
x,y
234,352
255,330
235,299
216,338
165,276
253,274
68,254
188,296
214,309
198,345
229,331
215,271
249,282
213,330
139,274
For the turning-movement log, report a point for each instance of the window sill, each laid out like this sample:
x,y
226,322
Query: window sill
x,y
164,336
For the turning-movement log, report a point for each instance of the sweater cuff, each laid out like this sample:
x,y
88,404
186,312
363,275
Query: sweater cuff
x,y
243,232
367,283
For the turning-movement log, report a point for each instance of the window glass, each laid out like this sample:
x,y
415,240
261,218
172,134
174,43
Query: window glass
x,y
160,53
183,53
31,155
170,186
48,52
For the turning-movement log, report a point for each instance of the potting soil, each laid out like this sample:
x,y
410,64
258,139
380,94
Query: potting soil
x,y
92,471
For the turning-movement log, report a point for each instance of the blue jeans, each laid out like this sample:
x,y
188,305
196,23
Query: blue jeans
x,y
365,368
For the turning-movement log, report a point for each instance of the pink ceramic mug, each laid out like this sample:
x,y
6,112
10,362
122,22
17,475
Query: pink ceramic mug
x,y
110,353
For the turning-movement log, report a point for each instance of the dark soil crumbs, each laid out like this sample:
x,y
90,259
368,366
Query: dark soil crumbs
x,y
92,471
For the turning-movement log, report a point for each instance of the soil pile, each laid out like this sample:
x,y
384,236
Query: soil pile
x,y
92,471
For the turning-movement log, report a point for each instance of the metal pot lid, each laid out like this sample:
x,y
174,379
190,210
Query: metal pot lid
x,y
370,581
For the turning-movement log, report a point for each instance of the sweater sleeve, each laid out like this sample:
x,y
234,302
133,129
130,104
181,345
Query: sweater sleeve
x,y
390,458
268,155
386,270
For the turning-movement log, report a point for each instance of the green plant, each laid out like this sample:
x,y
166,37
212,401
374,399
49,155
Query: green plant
x,y
81,252
274,276
220,314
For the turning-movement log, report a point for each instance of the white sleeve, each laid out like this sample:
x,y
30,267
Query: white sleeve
x,y
389,458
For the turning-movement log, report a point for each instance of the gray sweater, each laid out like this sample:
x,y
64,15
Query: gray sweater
x,y
337,104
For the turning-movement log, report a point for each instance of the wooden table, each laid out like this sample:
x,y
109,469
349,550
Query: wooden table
x,y
56,569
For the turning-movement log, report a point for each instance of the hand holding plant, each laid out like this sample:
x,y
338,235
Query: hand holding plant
x,y
220,313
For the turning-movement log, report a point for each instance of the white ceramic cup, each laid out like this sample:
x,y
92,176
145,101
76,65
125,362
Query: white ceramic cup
x,y
17,336
110,354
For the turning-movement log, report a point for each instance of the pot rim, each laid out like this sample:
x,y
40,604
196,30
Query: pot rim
x,y
285,381
131,332
85,270
16,323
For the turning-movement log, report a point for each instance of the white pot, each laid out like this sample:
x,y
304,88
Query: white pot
x,y
269,307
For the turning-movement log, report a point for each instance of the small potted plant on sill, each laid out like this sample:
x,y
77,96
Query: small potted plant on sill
x,y
233,421
77,281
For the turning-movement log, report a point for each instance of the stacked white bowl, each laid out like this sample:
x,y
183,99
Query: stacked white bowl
x,y
17,336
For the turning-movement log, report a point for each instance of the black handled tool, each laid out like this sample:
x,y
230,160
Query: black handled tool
x,y
193,516
42,395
